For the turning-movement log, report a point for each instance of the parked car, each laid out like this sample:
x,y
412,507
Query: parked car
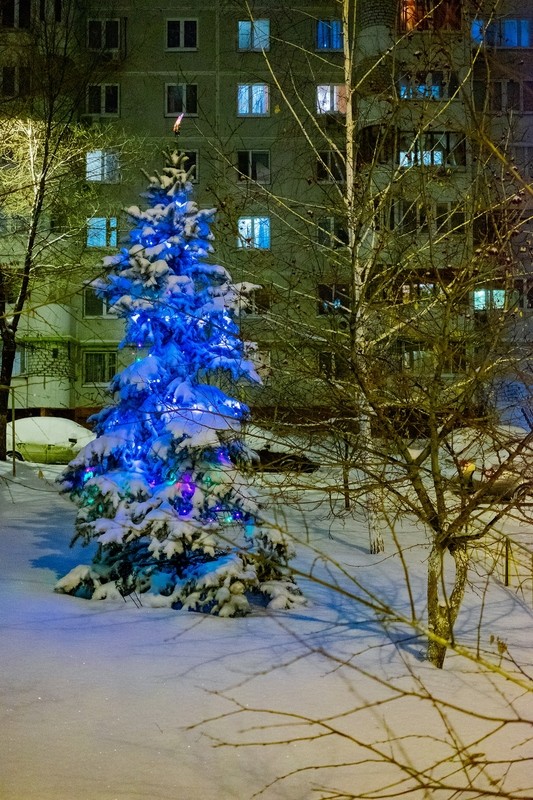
x,y
46,440
471,458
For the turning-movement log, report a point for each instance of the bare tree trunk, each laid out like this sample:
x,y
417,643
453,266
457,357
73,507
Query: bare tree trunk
x,y
443,608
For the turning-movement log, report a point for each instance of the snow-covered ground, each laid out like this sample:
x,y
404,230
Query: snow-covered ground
x,y
110,701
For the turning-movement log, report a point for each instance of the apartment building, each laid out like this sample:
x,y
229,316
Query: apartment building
x,y
306,163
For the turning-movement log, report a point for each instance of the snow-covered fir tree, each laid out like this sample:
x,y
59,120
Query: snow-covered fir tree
x,y
159,489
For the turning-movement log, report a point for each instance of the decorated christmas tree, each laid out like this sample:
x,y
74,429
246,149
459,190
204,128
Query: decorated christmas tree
x,y
160,489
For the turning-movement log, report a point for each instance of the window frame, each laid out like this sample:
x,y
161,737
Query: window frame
x,y
90,291
109,230
182,46
331,232
109,367
103,87
333,100
185,101
325,32
246,172
333,298
248,89
252,239
492,33
254,36
330,167
103,45
430,15
105,173
415,155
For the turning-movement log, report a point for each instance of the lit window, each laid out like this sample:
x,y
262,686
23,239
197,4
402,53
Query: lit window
x,y
329,34
331,98
432,148
101,166
103,34
254,165
502,32
181,98
102,232
20,365
254,232
99,367
103,99
93,305
253,99
254,34
426,15
182,34
333,298
435,85
330,167
489,298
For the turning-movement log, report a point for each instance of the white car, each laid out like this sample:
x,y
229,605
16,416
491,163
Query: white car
x,y
46,440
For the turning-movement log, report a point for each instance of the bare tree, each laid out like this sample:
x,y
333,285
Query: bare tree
x,y
44,197
405,242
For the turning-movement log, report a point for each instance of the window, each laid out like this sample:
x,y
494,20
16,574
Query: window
x,y
181,98
182,34
254,232
192,163
485,299
329,34
253,99
502,32
432,148
254,34
101,166
511,95
522,155
99,367
449,218
330,167
331,98
15,81
440,218
332,232
102,232
15,13
50,7
253,299
254,165
333,298
434,85
524,293
103,99
94,306
428,15
333,366
103,34
20,365
412,216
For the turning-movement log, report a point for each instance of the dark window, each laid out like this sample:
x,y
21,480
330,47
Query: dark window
x,y
330,167
103,34
182,34
333,298
332,232
9,87
254,165
181,98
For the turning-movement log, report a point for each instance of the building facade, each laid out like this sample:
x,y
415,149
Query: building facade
x,y
355,161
